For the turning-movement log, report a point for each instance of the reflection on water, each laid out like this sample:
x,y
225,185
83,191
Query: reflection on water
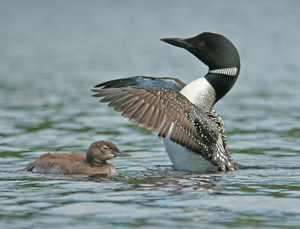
x,y
52,54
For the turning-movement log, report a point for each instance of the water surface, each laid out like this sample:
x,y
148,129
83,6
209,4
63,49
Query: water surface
x,y
53,52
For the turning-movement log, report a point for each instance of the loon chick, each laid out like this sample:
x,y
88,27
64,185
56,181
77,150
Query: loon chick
x,y
194,134
94,162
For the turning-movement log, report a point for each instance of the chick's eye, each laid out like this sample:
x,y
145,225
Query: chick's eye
x,y
202,43
105,147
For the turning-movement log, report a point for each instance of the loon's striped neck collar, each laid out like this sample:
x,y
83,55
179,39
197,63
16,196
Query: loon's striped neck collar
x,y
225,71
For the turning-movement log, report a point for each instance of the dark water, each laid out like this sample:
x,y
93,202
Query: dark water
x,y
53,52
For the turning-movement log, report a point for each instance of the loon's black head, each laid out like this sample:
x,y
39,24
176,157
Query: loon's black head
x,y
219,54
214,50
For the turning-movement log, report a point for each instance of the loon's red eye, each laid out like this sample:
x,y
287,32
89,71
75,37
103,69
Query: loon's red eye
x,y
202,43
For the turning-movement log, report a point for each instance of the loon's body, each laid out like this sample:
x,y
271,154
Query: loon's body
x,y
194,134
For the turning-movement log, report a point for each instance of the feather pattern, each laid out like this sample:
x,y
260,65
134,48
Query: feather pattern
x,y
168,112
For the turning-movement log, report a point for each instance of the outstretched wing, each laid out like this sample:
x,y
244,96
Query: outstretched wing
x,y
144,81
176,84
165,111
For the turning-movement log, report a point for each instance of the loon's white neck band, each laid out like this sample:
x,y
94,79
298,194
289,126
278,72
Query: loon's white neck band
x,y
225,71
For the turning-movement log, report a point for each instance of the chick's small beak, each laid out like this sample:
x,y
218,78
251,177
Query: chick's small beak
x,y
121,154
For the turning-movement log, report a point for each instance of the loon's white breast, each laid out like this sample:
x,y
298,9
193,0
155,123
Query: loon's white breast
x,y
202,94
185,160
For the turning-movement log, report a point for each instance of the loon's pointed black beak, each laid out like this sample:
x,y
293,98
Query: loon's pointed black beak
x,y
179,42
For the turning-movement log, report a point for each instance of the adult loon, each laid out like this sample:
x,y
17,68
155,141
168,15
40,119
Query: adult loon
x,y
94,162
194,134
